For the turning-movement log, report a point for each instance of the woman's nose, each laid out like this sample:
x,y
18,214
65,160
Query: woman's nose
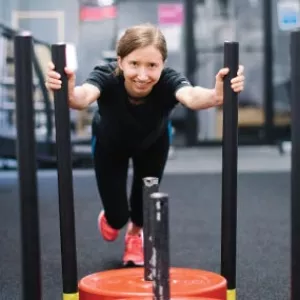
x,y
142,74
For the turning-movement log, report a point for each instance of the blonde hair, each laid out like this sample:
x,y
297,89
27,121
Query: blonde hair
x,y
141,36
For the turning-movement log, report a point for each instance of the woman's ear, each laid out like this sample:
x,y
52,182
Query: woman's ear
x,y
120,63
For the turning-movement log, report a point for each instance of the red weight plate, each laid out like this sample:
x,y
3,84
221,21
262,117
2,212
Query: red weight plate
x,y
128,283
173,298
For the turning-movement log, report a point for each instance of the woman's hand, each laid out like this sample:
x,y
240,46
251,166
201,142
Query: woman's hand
x,y
237,83
53,80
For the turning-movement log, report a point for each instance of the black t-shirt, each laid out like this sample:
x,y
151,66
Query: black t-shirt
x,y
124,123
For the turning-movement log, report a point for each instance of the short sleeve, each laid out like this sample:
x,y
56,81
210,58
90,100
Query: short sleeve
x,y
173,80
102,76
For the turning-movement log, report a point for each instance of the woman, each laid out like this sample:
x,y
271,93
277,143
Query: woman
x,y
135,96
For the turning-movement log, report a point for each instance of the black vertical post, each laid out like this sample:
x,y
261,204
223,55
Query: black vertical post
x,y
65,179
229,168
150,186
268,71
190,66
160,252
295,166
26,156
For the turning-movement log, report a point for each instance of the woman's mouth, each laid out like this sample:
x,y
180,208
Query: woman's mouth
x,y
141,85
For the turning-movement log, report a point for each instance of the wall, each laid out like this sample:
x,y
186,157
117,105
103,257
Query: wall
x,y
44,28
91,38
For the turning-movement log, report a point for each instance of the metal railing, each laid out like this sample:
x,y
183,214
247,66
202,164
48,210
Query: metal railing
x,y
42,104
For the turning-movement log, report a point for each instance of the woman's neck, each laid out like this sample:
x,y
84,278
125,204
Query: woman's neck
x,y
136,100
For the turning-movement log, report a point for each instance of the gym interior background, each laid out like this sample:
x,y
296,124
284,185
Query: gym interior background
x,y
195,30
263,242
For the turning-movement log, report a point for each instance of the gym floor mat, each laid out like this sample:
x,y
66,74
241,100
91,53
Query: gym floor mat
x,y
195,232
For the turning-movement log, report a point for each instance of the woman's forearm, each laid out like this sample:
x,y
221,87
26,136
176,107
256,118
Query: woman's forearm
x,y
197,97
77,98
202,98
82,96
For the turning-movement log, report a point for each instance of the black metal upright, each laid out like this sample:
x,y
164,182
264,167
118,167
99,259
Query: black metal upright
x,y
295,166
190,68
65,179
159,228
26,156
150,186
268,70
229,168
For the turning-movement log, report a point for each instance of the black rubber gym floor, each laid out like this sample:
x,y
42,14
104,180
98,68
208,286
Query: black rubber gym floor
x,y
263,232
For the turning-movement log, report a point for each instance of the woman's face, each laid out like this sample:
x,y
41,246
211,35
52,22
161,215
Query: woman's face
x,y
142,69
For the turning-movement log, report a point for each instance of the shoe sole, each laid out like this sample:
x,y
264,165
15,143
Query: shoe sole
x,y
131,263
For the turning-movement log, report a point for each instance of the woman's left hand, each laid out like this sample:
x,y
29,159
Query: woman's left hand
x,y
237,83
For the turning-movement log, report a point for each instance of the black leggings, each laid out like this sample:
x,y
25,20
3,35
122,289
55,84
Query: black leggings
x,y
111,167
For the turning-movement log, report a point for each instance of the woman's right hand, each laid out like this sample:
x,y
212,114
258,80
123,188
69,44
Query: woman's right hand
x,y
53,79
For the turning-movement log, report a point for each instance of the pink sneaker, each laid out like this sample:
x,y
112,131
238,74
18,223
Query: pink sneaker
x,y
134,253
108,233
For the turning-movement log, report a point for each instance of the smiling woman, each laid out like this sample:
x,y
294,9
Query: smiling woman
x,y
135,96
141,52
141,69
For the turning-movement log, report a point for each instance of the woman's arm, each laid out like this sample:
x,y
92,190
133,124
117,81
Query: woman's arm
x,y
83,96
79,97
197,97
